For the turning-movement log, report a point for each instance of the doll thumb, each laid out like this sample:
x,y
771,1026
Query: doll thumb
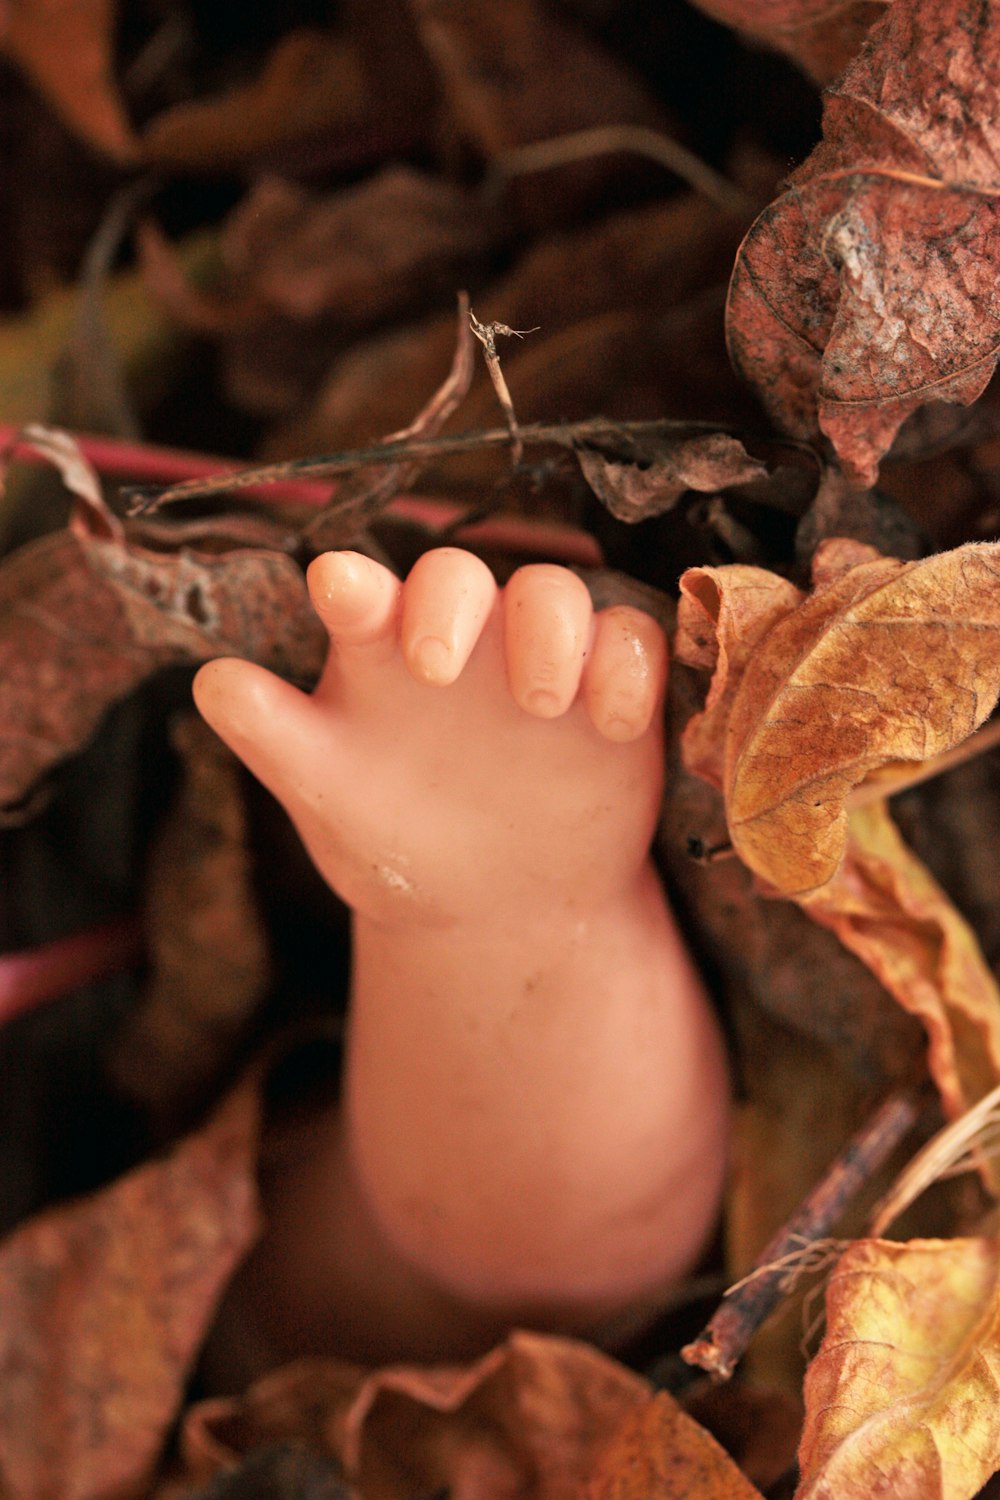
x,y
262,718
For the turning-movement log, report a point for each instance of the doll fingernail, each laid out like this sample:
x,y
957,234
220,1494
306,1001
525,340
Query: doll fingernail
x,y
432,659
543,703
620,729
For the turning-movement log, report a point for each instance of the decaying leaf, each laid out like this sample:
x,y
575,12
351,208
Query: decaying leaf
x,y
358,254
517,73
901,1399
661,1451
207,950
822,36
525,1422
87,615
106,1303
67,48
884,662
636,488
313,81
866,290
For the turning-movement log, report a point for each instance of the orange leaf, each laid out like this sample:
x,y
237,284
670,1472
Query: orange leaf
x,y
867,289
885,906
660,1451
723,616
66,47
901,1399
890,662
886,662
524,1422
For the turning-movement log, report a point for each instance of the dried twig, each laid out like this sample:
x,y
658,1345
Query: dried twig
x,y
346,515
636,140
594,430
745,1307
487,334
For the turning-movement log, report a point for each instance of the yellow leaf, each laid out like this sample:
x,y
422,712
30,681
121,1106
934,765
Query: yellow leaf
x,y
885,663
902,1398
891,662
66,48
887,908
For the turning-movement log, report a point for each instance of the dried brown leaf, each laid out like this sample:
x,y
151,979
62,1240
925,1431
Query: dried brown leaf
x,y
106,1302
608,342
524,1422
866,290
901,1399
517,72
661,1451
356,254
634,489
886,662
86,616
820,35
314,81
723,615
207,952
889,662
67,48
884,906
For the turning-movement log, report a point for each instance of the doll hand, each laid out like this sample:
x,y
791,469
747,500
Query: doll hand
x,y
468,752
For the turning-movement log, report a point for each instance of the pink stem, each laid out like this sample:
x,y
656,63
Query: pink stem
x,y
35,976
147,464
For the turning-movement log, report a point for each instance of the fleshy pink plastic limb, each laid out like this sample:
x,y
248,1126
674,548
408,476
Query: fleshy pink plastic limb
x,y
534,1108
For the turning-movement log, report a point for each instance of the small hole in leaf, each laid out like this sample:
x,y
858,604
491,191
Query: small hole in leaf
x,y
195,604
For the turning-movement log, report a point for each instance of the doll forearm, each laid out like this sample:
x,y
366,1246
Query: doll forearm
x,y
512,1096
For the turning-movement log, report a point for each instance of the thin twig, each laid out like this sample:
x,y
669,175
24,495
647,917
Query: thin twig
x,y
636,140
724,1340
347,513
554,434
487,334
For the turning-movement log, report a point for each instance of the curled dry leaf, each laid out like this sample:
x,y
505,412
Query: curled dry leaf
x,y
885,662
106,1303
524,1422
87,615
820,35
638,487
888,661
660,1450
884,905
207,952
901,1399
67,48
867,289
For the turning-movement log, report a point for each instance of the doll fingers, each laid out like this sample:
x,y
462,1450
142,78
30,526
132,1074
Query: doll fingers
x,y
447,599
262,718
626,673
357,600
548,620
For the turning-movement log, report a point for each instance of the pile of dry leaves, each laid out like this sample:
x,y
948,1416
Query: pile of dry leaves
x,y
762,405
